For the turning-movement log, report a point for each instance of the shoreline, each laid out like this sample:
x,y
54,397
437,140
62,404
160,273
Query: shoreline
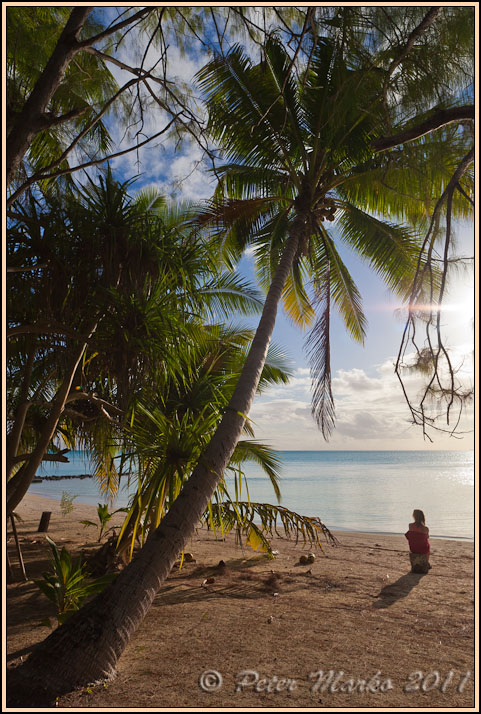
x,y
371,492
334,529
356,609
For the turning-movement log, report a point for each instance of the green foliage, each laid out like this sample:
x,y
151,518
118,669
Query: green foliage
x,y
104,516
255,522
138,261
66,503
169,434
32,33
67,585
159,360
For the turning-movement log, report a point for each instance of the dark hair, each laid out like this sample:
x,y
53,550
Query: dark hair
x,y
418,517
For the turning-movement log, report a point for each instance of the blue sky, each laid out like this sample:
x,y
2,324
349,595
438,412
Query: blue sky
x,y
370,409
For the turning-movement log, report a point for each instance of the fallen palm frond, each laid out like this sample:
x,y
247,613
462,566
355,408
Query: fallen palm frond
x,y
255,522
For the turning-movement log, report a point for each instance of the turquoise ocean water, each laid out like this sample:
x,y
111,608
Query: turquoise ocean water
x,y
350,490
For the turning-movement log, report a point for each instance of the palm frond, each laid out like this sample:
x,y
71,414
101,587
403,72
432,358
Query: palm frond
x,y
229,293
344,293
295,299
256,522
245,181
392,250
245,96
233,223
264,456
149,199
277,368
318,349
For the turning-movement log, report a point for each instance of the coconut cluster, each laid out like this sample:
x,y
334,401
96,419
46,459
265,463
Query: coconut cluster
x,y
326,209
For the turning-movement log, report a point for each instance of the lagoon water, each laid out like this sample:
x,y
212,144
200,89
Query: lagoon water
x,y
372,491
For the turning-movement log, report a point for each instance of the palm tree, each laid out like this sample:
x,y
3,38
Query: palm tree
x,y
64,262
174,423
299,155
161,411
137,270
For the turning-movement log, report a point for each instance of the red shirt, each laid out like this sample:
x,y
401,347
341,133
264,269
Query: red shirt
x,y
418,542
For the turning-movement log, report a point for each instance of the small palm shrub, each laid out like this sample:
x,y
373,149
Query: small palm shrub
x,y
104,517
67,585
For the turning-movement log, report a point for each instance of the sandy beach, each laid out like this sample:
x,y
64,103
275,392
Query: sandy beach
x,y
354,629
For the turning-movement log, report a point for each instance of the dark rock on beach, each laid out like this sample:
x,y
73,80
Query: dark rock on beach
x,y
60,478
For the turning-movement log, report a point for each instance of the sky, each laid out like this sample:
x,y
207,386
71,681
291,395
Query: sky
x,y
371,412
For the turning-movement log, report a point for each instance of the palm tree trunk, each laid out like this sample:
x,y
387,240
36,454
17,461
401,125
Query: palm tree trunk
x,y
86,648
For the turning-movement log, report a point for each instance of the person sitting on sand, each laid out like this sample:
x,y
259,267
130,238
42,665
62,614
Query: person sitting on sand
x,y
418,535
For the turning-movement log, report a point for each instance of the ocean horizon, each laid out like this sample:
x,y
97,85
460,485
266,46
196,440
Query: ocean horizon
x,y
352,490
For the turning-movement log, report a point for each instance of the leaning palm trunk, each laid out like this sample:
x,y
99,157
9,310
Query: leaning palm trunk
x,y
87,647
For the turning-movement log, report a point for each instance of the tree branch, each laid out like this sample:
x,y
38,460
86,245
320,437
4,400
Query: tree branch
x,y
83,44
26,125
95,162
427,20
18,484
59,457
43,330
40,173
118,63
93,397
13,439
32,119
26,269
48,120
414,35
441,118
463,193
431,355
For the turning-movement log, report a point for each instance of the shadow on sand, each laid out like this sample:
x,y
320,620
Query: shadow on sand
x,y
393,592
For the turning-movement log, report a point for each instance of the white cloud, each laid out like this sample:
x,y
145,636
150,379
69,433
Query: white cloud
x,y
188,176
371,413
364,425
249,252
183,67
355,380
